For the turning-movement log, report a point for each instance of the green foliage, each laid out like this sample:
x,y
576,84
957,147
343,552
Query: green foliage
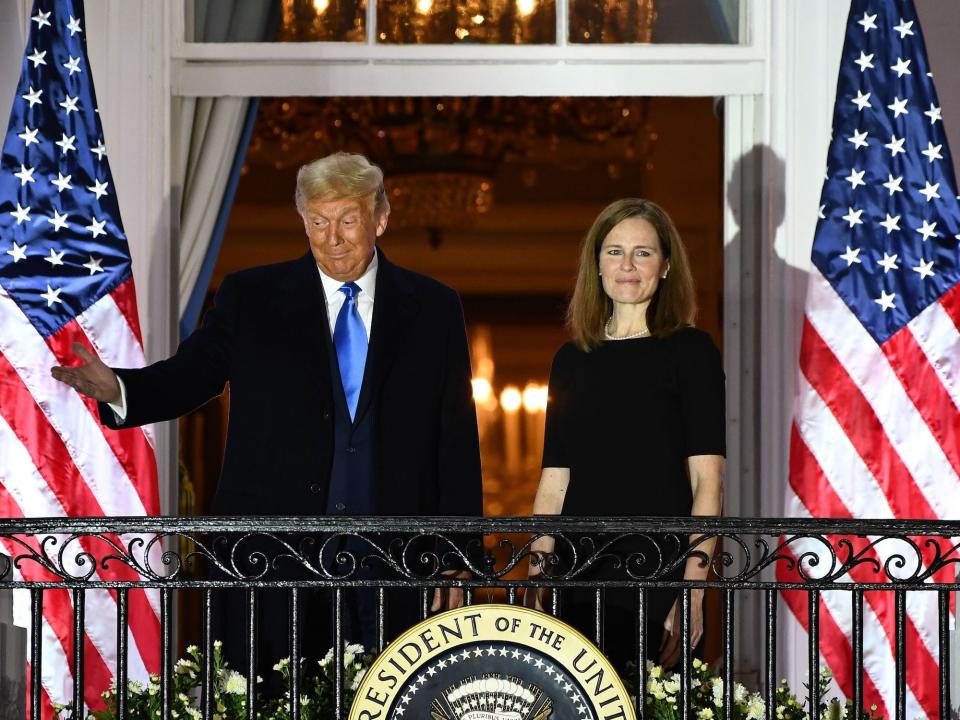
x,y
230,690
790,708
143,699
662,698
317,688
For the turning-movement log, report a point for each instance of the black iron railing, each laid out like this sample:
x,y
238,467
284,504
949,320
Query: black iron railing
x,y
337,554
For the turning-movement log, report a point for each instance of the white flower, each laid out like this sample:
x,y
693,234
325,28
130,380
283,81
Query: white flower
x,y
327,659
185,666
672,685
655,671
755,707
355,649
193,713
705,714
739,693
235,683
718,692
135,687
357,678
282,664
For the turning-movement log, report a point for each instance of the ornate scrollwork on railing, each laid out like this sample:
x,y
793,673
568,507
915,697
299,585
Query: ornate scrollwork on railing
x,y
418,551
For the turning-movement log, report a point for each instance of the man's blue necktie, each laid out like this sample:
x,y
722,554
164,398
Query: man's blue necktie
x,y
350,339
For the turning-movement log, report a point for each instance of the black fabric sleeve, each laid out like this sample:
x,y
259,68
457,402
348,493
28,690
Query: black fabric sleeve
x,y
195,373
460,490
554,452
702,393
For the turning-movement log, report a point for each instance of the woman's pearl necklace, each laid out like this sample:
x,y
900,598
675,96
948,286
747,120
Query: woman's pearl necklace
x,y
609,336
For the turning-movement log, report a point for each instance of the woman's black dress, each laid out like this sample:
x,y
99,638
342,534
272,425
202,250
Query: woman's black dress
x,y
624,418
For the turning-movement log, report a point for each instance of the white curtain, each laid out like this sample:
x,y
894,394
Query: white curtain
x,y
207,132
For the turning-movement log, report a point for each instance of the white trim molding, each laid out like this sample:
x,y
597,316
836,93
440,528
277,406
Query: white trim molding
x,y
274,69
775,148
806,40
128,45
460,78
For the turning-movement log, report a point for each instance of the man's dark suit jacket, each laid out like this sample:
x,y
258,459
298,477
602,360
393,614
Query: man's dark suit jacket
x,y
268,337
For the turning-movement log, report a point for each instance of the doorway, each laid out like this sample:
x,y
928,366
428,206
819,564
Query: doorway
x,y
491,196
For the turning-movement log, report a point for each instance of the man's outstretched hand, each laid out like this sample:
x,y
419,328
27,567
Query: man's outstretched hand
x,y
93,378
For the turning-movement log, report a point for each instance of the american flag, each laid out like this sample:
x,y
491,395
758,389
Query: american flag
x,y
65,277
876,432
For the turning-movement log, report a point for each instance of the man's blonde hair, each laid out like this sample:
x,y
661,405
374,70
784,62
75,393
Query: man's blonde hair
x,y
339,176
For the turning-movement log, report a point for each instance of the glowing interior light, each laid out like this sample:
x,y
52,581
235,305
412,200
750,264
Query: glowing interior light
x,y
511,399
535,398
481,390
526,7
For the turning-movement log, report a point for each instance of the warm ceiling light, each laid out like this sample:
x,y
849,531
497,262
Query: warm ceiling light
x,y
320,6
424,6
510,399
526,7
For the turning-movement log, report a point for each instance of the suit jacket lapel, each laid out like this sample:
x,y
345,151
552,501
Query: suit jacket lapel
x,y
393,308
304,311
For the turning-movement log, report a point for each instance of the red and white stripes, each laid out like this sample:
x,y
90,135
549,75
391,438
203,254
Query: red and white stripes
x,y
875,436
60,461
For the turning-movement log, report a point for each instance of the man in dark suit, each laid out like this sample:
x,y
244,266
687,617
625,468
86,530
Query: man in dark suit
x,y
349,377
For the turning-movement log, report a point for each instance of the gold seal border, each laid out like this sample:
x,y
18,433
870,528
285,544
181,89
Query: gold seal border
x,y
375,701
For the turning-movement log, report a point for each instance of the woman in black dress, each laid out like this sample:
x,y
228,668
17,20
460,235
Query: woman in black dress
x,y
635,420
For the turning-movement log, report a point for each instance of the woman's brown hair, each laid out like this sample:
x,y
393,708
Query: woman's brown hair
x,y
674,304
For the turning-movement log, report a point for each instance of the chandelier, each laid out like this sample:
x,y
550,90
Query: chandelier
x,y
440,156
467,21
421,21
612,21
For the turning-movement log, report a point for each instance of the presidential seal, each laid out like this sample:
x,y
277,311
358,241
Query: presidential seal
x,y
491,662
